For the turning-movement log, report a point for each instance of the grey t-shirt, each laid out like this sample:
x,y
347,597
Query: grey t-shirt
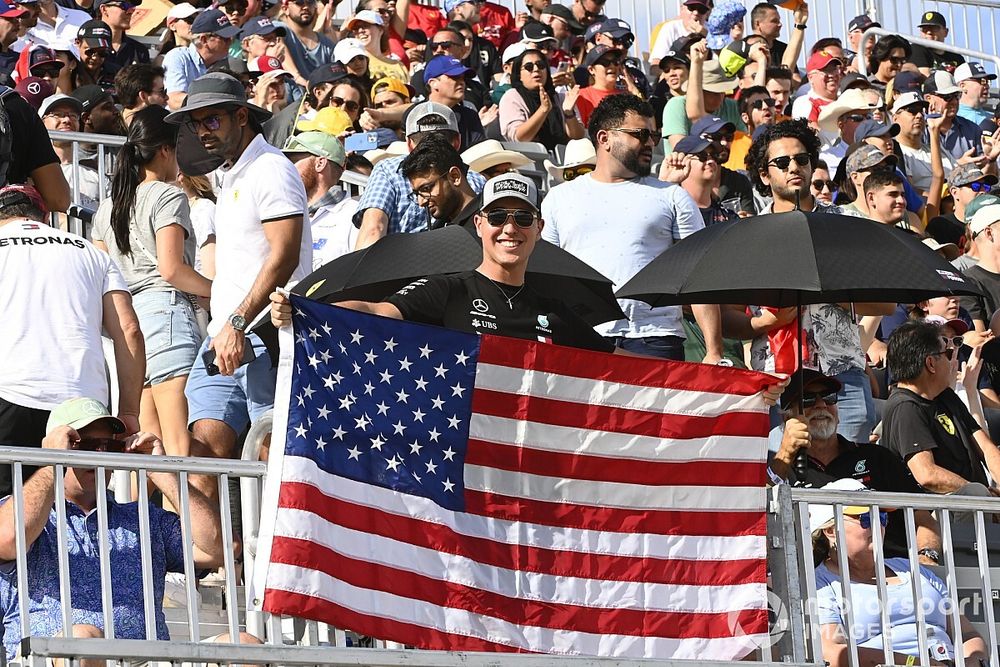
x,y
157,205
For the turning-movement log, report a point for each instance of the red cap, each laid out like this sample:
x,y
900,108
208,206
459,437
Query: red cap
x,y
820,59
265,64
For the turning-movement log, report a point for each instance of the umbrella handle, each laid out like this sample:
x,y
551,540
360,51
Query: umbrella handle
x,y
801,463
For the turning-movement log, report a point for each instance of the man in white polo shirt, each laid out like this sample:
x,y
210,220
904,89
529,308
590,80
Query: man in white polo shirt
x,y
262,242
60,292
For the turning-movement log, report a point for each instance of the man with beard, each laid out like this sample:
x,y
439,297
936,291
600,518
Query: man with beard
x,y
264,243
618,218
438,180
831,457
309,49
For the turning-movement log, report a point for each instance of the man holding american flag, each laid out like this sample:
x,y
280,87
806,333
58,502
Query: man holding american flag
x,y
458,491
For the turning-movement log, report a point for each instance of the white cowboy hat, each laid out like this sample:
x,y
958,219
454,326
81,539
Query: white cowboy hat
x,y
394,149
578,152
851,100
490,153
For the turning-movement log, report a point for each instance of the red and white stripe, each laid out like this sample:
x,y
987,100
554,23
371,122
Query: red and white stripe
x,y
614,507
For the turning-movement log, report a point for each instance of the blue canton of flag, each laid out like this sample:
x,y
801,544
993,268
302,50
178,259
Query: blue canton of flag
x,y
382,401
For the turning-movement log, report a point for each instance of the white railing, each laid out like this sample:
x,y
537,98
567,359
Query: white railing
x,y
970,54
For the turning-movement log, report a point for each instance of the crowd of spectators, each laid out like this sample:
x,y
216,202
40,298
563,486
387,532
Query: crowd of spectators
x,y
240,124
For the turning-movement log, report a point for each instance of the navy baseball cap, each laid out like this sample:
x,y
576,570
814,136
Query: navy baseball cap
x,y
599,52
873,128
95,33
329,73
444,66
862,22
908,82
709,125
10,11
691,145
215,22
261,25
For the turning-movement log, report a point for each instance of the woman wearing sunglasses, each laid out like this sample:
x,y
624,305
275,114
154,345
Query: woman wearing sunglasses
x,y
146,228
855,546
532,110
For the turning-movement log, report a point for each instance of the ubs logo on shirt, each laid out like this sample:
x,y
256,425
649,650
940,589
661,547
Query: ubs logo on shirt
x,y
946,423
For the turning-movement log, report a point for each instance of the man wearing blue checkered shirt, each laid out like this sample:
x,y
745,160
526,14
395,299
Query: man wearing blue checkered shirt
x,y
386,207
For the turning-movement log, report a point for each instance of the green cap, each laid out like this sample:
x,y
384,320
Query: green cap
x,y
80,412
979,202
320,144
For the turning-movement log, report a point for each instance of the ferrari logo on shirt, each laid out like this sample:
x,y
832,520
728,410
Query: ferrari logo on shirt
x,y
946,423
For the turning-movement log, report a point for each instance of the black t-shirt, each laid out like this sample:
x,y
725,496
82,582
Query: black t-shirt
x,y
471,302
924,57
877,468
32,148
484,59
8,61
130,52
982,307
470,128
912,424
777,52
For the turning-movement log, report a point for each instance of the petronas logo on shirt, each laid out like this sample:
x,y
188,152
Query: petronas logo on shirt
x,y
946,423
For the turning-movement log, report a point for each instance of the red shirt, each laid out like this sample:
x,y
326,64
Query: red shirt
x,y
589,98
495,23
426,18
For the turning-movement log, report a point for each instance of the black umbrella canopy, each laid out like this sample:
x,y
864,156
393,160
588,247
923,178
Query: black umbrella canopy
x,y
796,258
396,260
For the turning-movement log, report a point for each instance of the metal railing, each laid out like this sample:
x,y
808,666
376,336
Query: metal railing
x,y
792,506
979,56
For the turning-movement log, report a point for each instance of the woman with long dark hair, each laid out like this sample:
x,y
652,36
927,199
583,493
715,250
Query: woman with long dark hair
x,y
145,225
532,110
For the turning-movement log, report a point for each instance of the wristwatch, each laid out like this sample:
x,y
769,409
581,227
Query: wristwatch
x,y
933,554
238,322
800,26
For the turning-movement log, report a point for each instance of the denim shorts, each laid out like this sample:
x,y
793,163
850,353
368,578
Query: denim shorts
x,y
237,399
171,331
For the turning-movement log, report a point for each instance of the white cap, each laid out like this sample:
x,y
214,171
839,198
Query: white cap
x,y
348,49
59,98
906,99
490,153
182,10
513,51
820,515
982,218
972,70
510,185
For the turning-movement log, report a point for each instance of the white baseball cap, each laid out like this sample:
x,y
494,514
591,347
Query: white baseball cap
x,y
348,49
820,515
983,218
182,10
510,185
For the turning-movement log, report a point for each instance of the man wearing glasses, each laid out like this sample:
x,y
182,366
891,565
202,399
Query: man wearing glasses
x,y
264,243
831,456
496,298
118,15
958,135
927,424
618,218
211,36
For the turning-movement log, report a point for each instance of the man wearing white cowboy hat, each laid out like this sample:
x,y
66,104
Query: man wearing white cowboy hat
x,y
264,243
491,159
840,118
580,158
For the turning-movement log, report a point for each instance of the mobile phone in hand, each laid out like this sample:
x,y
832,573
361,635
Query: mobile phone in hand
x,y
208,357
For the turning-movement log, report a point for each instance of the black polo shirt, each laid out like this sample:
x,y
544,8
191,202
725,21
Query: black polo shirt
x,y
32,148
943,426
130,52
470,301
877,468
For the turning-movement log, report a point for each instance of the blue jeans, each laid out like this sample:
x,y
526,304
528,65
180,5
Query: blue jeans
x,y
664,347
855,407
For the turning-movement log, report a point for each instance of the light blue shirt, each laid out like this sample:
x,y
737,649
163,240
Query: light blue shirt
x,y
899,602
182,66
977,116
619,228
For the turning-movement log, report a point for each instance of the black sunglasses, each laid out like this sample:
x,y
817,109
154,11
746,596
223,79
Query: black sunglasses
x,y
445,45
782,162
819,185
761,103
100,445
498,217
643,134
532,65
350,106
809,400
948,352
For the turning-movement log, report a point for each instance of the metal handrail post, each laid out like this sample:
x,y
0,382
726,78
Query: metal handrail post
x,y
785,576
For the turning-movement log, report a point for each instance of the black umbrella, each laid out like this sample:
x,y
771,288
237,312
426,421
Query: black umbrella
x,y
796,258
396,260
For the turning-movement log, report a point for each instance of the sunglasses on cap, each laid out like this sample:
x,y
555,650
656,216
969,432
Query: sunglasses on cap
x,y
866,519
498,217
100,445
809,400
782,162
574,172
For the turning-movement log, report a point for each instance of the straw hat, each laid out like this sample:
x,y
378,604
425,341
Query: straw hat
x,y
490,153
578,152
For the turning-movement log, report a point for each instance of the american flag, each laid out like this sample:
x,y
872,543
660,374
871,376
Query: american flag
x,y
453,491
